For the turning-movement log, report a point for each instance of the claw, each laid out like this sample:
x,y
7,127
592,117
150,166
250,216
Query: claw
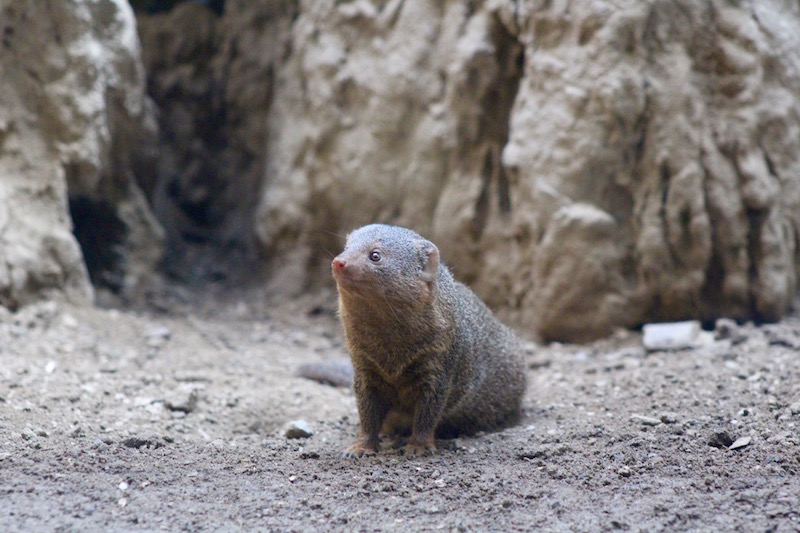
x,y
359,449
419,449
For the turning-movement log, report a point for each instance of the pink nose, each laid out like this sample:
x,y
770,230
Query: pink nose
x,y
338,264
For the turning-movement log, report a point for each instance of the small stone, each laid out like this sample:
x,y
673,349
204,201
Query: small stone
x,y
669,418
624,471
720,439
136,442
741,442
670,335
157,336
726,328
795,408
123,485
69,321
779,336
217,444
646,420
298,429
184,398
158,332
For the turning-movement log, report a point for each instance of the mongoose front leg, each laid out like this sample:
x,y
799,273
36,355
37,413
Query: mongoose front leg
x,y
372,410
427,414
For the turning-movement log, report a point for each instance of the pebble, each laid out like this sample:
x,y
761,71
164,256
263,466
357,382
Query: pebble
x,y
670,335
741,442
727,328
669,418
720,439
646,420
157,336
158,332
779,336
298,429
624,471
184,398
69,321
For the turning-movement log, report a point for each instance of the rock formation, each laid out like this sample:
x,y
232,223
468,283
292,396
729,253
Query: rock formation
x,y
72,114
582,166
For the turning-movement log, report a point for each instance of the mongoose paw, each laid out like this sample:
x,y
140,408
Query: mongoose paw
x,y
419,449
359,449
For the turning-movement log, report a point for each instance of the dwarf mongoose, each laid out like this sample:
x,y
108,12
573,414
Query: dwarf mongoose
x,y
429,356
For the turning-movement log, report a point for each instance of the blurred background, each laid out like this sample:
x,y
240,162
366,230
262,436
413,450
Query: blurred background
x,y
583,166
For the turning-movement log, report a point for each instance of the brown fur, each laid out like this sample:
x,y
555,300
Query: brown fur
x,y
429,357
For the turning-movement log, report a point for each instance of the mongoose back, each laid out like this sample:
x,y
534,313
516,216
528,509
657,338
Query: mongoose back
x,y
429,357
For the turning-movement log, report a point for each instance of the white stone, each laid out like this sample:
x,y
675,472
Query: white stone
x,y
670,335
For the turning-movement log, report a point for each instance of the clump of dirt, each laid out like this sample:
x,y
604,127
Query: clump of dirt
x,y
131,420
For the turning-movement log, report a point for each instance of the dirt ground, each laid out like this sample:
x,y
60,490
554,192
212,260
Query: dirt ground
x,y
122,420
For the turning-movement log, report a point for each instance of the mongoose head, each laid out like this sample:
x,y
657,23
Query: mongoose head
x,y
387,263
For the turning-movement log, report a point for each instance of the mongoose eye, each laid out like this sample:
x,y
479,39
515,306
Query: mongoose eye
x,y
374,256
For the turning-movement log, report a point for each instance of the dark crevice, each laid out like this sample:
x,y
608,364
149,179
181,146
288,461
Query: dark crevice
x,y
482,205
493,129
211,140
159,6
665,187
503,191
755,223
714,281
102,237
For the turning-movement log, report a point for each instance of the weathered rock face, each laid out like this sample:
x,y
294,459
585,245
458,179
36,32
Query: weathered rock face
x,y
581,168
72,110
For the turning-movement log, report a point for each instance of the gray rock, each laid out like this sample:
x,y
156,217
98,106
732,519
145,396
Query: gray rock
x,y
183,398
720,439
728,329
669,418
646,420
298,429
335,373
741,442
158,332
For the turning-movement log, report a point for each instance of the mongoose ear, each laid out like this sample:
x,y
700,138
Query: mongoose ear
x,y
430,258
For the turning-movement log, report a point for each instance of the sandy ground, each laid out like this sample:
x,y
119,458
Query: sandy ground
x,y
117,420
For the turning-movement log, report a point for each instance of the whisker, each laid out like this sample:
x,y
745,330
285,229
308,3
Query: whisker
x,y
332,233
